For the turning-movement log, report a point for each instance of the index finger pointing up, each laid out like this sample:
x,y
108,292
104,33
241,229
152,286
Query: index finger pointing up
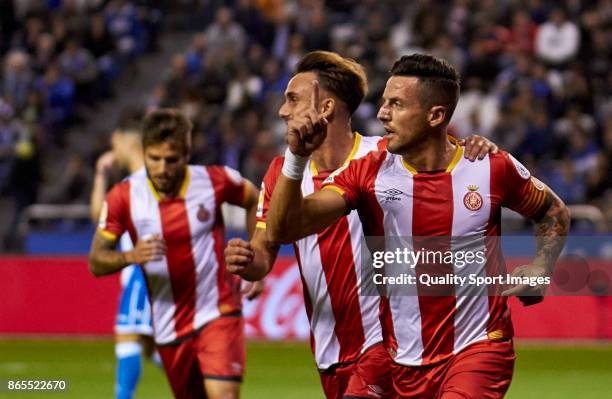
x,y
314,98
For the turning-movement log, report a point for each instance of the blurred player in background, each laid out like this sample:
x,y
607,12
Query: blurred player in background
x,y
345,327
134,327
442,346
172,212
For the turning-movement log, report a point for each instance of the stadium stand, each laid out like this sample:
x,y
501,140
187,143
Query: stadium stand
x,y
537,77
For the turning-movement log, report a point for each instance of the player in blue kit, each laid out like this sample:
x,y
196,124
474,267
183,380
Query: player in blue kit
x,y
133,327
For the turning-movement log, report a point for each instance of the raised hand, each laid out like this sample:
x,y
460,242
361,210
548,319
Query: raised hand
x,y
105,163
306,131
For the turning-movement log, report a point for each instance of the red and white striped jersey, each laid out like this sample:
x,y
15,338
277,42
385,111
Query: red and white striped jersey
x,y
343,324
189,286
394,200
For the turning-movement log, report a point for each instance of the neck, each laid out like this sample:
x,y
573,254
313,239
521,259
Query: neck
x,y
433,152
175,190
336,147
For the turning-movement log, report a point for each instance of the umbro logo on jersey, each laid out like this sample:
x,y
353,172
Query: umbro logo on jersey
x,y
202,214
392,194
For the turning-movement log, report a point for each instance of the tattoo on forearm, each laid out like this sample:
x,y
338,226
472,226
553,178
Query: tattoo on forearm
x,y
551,231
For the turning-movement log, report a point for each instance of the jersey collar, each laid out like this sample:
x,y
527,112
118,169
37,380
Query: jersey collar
x,y
356,142
182,191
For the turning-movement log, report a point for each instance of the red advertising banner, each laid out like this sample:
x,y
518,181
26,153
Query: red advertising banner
x,y
58,295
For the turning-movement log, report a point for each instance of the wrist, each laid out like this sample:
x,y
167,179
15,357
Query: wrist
x,y
294,165
128,258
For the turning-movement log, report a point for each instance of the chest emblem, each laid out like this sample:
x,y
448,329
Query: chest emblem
x,y
472,199
203,215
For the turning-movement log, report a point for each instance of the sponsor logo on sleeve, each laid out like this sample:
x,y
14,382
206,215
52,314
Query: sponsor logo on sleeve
x,y
522,171
233,175
103,216
260,201
330,178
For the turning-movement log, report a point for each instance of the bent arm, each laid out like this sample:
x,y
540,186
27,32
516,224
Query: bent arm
x,y
104,258
292,217
265,254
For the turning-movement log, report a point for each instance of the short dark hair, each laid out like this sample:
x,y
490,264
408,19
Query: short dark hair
x,y
440,80
130,120
166,124
343,77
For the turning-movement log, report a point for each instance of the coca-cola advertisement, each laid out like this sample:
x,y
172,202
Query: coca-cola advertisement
x,y
279,312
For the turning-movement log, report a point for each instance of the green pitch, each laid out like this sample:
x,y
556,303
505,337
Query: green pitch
x,y
281,370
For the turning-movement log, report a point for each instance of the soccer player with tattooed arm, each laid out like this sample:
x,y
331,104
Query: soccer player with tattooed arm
x,y
346,331
172,212
448,346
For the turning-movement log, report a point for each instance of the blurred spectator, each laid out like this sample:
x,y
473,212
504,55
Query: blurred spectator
x,y
243,90
260,156
79,65
125,26
314,27
567,182
476,112
10,130
101,44
195,55
58,93
557,40
60,33
522,33
539,138
252,20
177,79
17,79
583,151
225,34
44,53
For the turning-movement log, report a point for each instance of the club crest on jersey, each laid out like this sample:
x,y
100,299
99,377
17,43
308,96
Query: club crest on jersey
x,y
472,199
202,214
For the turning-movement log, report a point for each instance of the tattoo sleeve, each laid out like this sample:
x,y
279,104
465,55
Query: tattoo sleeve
x,y
104,258
552,227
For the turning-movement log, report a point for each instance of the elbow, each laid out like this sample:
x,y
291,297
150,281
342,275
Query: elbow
x,y
94,267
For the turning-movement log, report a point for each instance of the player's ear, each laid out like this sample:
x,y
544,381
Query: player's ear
x,y
328,106
437,115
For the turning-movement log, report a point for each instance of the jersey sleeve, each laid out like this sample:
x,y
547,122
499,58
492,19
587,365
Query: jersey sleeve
x,y
523,193
349,181
114,215
267,188
229,184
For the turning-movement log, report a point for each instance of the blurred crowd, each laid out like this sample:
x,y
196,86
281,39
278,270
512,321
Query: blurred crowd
x,y
536,73
58,59
536,77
